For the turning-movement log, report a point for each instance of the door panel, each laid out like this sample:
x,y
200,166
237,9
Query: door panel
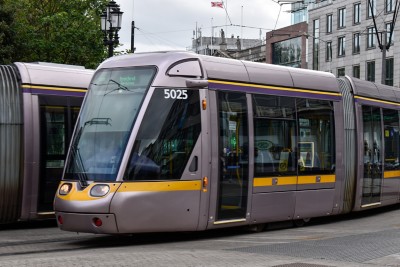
x,y
372,180
233,156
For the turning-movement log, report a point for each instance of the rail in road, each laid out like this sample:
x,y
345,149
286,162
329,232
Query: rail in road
x,y
364,239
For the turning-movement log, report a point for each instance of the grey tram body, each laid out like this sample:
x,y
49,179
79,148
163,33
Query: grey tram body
x,y
149,211
26,89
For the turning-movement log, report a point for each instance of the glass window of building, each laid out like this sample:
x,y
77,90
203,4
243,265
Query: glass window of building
x,y
287,53
371,71
389,7
356,71
341,46
341,72
389,71
342,18
316,44
357,13
328,51
356,43
299,13
388,27
370,37
371,10
329,23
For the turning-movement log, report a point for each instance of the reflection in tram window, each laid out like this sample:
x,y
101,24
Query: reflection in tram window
x,y
316,140
166,137
274,135
372,155
391,136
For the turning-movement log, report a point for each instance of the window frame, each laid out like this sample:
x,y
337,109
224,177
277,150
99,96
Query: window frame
x,y
356,45
370,76
341,51
341,17
371,38
329,23
357,13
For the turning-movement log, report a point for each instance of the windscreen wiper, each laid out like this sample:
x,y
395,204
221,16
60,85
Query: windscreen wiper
x,y
119,88
104,121
83,178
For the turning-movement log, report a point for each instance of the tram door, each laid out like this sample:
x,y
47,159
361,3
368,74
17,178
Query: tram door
x,y
233,156
373,175
57,120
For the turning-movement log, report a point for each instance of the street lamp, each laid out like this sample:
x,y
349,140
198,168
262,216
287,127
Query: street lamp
x,y
110,25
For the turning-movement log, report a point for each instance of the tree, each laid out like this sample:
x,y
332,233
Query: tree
x,y
7,41
59,31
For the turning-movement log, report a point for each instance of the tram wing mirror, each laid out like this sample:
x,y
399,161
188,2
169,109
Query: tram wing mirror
x,y
196,83
193,164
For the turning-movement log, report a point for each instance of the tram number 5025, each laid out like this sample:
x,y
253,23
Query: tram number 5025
x,y
175,94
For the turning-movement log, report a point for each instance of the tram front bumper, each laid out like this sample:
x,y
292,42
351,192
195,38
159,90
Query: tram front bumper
x,y
87,223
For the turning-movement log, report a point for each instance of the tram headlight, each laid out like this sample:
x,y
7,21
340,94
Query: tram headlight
x,y
65,189
99,190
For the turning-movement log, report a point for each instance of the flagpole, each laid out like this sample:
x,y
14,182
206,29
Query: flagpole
x,y
226,17
241,30
212,36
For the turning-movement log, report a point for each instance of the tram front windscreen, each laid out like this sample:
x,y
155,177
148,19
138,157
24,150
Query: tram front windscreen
x,y
114,99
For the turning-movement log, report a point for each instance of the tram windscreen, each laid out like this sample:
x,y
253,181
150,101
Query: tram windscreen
x,y
107,117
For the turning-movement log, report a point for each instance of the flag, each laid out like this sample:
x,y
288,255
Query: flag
x,y
217,4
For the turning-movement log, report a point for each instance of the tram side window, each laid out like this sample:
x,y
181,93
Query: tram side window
x,y
274,135
316,136
391,136
167,136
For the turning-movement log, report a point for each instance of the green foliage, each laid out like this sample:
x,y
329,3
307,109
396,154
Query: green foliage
x,y
59,31
7,42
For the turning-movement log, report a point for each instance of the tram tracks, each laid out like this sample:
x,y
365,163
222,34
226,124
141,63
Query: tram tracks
x,y
11,248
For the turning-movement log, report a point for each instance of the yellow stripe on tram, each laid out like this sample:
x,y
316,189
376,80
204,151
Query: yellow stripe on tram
x,y
391,174
161,186
55,88
293,180
281,88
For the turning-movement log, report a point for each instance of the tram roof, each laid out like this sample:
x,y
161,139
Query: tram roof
x,y
229,70
374,90
54,74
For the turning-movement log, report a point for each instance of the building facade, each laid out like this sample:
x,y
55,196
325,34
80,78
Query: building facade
x,y
343,40
232,47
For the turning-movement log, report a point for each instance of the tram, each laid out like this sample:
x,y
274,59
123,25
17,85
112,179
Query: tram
x,y
175,141
39,104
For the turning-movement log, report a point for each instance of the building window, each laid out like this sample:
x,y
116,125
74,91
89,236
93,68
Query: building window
x,y
371,11
389,6
316,44
341,72
356,71
356,43
328,51
388,27
371,37
342,18
357,13
389,71
341,46
329,23
371,71
287,53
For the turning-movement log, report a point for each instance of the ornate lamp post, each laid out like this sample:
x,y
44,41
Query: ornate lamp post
x,y
110,25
